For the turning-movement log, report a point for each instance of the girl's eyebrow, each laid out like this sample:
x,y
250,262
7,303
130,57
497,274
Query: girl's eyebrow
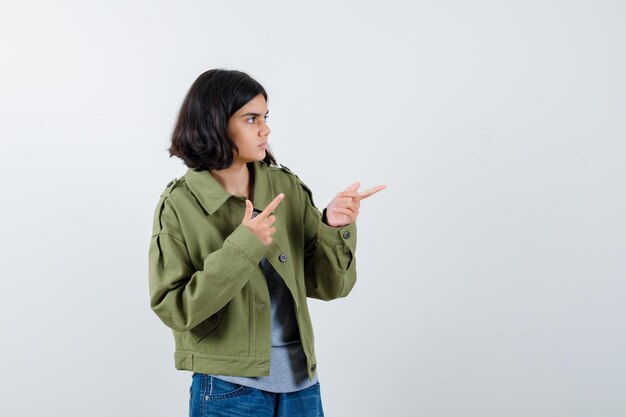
x,y
254,114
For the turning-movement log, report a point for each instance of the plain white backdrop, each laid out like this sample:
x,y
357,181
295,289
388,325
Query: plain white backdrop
x,y
491,271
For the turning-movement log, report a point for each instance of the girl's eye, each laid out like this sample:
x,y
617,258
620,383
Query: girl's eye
x,y
252,119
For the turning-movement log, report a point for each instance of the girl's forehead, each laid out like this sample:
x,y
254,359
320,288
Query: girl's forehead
x,y
256,105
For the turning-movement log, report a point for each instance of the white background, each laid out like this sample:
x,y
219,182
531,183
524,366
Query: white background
x,y
491,271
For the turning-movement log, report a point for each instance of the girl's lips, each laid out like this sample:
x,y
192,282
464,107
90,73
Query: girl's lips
x,y
263,145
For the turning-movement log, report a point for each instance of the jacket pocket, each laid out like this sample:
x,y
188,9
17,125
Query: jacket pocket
x,y
203,329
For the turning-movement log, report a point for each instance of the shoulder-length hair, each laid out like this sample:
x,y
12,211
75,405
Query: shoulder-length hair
x,y
200,136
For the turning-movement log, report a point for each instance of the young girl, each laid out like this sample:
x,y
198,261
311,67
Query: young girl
x,y
237,247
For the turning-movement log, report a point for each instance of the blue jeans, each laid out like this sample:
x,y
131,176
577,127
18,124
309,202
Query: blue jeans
x,y
213,397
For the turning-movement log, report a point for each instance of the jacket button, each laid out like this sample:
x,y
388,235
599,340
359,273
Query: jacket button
x,y
282,257
346,235
313,367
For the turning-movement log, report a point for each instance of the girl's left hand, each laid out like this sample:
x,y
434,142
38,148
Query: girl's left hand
x,y
344,208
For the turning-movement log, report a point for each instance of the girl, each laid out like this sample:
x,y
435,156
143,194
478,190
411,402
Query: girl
x,y
237,247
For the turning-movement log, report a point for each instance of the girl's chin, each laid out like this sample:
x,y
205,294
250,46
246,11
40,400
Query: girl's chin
x,y
259,157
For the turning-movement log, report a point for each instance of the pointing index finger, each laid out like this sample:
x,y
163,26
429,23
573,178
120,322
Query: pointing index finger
x,y
271,206
371,191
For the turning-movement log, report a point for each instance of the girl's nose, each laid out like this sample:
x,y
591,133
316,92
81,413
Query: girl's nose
x,y
265,130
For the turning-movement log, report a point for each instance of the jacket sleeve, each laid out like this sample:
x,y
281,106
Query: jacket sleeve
x,y
329,253
183,297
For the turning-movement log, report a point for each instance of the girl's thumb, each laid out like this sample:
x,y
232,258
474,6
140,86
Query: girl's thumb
x,y
249,208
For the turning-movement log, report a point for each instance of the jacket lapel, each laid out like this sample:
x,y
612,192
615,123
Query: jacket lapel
x,y
210,194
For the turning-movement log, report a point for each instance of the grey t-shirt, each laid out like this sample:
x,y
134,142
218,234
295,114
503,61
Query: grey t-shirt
x,y
288,367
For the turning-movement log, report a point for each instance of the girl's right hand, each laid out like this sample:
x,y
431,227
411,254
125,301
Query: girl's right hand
x,y
261,225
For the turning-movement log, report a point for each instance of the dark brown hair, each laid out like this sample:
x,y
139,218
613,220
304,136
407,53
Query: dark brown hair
x,y
200,136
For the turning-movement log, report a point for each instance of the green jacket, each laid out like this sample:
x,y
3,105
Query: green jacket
x,y
206,282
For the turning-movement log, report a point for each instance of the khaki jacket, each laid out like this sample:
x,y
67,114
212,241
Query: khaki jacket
x,y
206,282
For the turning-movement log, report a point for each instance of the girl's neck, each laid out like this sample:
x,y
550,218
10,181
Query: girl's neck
x,y
237,179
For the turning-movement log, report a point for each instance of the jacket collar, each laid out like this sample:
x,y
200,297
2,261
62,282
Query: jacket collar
x,y
212,195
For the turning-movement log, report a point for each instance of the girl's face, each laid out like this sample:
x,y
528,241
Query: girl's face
x,y
249,130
